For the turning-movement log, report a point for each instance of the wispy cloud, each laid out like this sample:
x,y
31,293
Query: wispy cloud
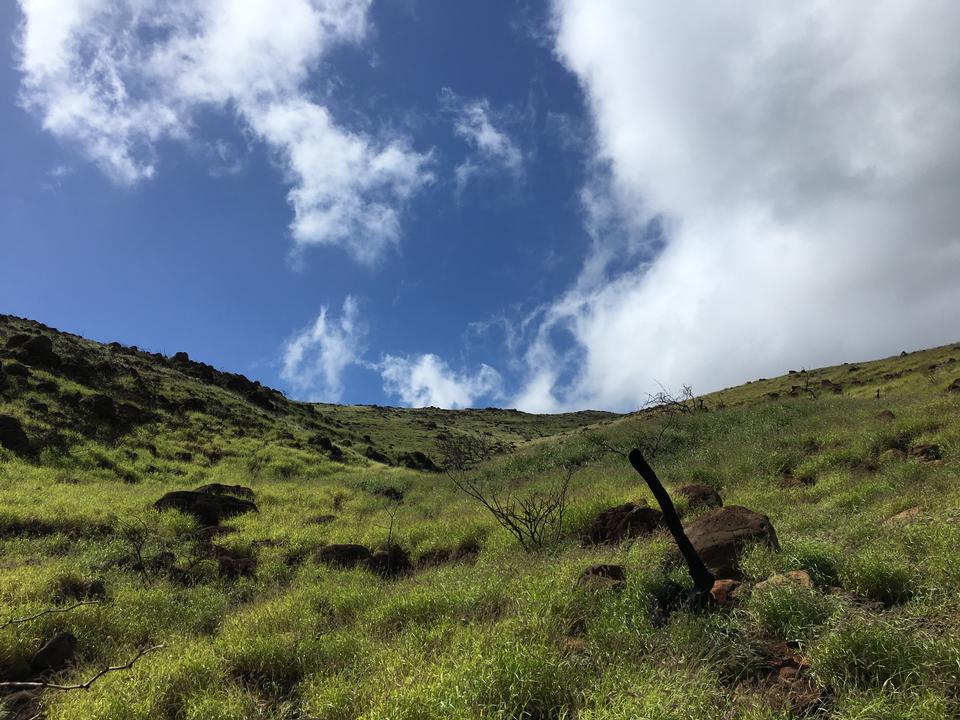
x,y
315,359
116,77
493,150
426,380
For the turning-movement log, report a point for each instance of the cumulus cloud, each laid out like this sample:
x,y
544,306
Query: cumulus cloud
x,y
779,189
493,150
426,380
315,358
117,77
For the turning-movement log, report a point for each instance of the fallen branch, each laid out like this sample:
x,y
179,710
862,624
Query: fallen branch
x,y
48,611
84,685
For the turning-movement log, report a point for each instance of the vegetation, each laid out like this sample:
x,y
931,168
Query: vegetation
x,y
865,501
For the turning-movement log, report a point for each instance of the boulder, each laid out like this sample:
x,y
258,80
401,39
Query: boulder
x,y
624,521
38,351
885,415
344,555
954,386
12,436
613,577
721,535
699,495
220,489
206,508
391,561
55,655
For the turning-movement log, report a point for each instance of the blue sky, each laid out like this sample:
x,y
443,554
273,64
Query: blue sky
x,y
543,205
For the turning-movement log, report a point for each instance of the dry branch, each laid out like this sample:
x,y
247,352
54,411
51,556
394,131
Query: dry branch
x,y
84,685
48,611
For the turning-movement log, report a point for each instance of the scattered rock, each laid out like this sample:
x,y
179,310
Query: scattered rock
x,y
38,351
15,341
669,597
885,415
16,671
375,455
46,386
390,493
793,578
721,535
232,564
12,435
17,370
22,705
416,460
926,452
792,481
344,555
100,407
55,655
700,495
220,489
903,517
206,508
954,386
726,592
613,577
624,521
72,588
833,387
391,561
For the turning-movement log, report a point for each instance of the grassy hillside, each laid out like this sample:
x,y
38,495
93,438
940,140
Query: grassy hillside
x,y
862,492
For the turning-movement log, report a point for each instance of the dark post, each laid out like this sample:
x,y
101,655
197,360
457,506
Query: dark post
x,y
702,578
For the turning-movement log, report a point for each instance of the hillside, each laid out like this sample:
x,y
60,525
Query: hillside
x,y
363,583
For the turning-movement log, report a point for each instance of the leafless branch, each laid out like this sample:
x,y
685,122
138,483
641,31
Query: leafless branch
x,y
683,402
48,611
84,685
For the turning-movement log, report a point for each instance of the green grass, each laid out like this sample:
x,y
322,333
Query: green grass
x,y
499,634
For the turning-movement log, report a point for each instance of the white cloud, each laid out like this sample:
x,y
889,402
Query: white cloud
x,y
117,77
314,360
804,163
493,149
426,380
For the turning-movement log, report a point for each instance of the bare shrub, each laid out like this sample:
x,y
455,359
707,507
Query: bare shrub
x,y
682,403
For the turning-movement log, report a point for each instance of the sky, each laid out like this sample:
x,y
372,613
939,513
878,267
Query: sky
x,y
544,205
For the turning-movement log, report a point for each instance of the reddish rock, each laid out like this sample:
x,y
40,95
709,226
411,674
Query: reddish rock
x,y
721,535
622,522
